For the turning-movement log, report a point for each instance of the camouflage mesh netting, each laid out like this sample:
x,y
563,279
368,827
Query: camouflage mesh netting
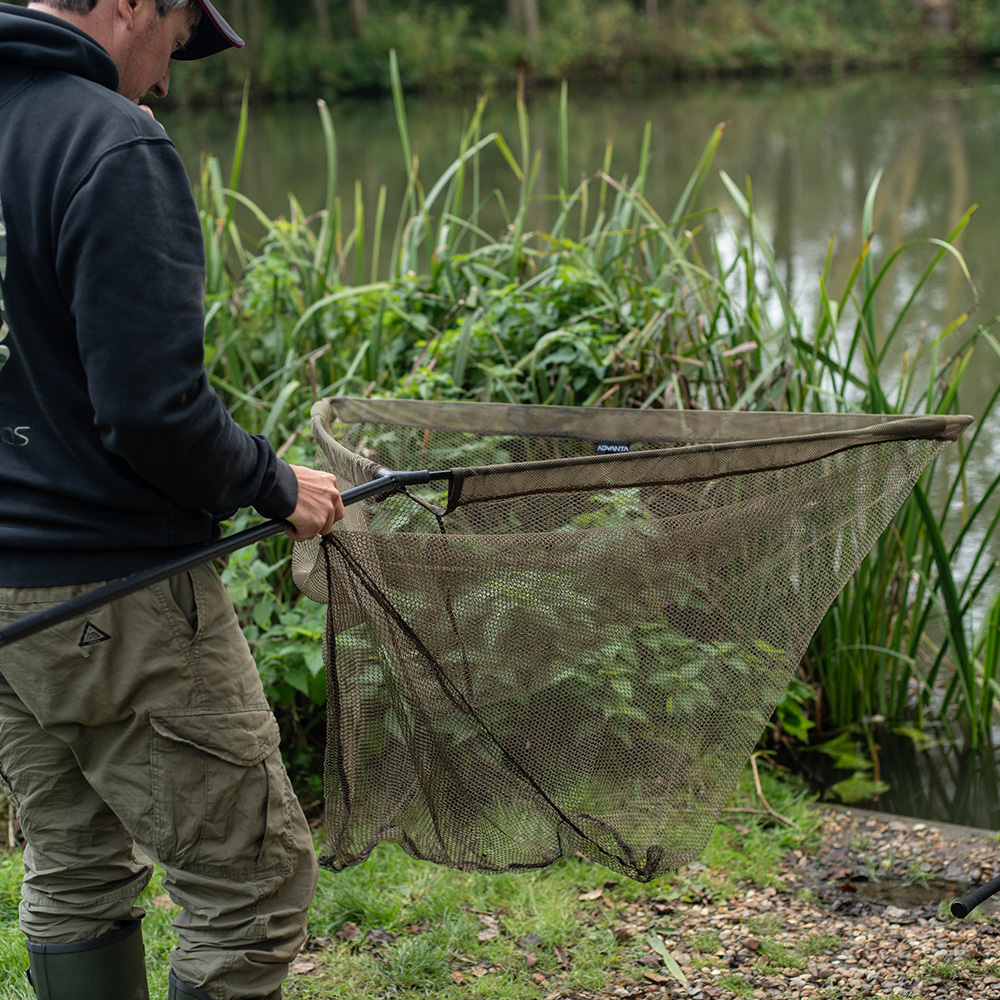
x,y
574,641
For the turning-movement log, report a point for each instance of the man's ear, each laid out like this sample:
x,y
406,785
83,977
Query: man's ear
x,y
126,10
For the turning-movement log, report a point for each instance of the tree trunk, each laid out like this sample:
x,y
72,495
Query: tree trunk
x,y
248,22
652,12
255,21
322,8
359,13
514,14
531,21
940,16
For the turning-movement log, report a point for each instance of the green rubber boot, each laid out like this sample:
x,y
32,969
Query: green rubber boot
x,y
112,967
178,990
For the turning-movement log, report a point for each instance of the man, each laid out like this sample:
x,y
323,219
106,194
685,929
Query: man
x,y
140,730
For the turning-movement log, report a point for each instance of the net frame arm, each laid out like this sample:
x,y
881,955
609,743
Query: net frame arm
x,y
386,482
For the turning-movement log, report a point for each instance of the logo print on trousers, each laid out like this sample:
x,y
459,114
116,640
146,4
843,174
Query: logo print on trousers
x,y
92,635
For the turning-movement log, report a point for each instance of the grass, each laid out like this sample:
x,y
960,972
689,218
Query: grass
x,y
818,944
953,968
736,986
781,956
395,927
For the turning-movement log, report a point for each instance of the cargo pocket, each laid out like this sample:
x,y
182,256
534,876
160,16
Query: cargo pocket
x,y
221,799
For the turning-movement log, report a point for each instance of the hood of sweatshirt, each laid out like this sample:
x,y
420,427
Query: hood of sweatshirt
x,y
32,41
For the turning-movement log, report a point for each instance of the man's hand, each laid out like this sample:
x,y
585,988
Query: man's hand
x,y
319,506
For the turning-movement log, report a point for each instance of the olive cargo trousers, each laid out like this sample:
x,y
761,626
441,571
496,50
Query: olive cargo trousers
x,y
140,731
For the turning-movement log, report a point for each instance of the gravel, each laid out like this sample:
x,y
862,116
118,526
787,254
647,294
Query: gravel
x,y
864,916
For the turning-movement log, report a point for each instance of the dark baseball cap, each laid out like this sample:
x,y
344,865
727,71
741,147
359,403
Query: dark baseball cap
x,y
212,35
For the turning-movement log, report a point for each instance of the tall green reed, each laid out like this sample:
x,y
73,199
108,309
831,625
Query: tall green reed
x,y
597,297
900,640
907,637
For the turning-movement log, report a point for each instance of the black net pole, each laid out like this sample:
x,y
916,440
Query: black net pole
x,y
58,613
964,906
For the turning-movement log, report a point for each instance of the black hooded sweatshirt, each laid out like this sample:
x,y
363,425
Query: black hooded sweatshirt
x,y
114,450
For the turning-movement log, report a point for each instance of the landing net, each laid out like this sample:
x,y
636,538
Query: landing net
x,y
575,644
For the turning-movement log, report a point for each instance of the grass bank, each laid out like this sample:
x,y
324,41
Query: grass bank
x,y
395,927
839,905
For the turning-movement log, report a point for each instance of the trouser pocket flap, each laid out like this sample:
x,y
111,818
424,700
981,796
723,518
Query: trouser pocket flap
x,y
242,737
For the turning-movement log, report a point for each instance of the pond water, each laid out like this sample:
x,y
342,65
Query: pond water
x,y
945,781
811,150
939,780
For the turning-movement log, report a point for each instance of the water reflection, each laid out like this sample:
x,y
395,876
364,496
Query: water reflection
x,y
944,782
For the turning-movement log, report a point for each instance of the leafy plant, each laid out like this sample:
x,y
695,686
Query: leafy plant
x,y
601,298
846,755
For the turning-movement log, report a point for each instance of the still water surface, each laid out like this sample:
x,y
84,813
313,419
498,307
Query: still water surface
x,y
811,150
942,781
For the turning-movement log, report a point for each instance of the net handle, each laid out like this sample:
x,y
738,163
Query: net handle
x,y
964,906
59,613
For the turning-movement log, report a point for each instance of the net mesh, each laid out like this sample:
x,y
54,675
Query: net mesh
x,y
574,643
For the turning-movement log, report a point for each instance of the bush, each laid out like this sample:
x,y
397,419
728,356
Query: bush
x,y
612,301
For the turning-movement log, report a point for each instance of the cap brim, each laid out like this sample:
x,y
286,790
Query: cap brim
x,y
212,35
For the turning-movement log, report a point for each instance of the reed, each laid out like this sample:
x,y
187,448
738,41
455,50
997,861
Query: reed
x,y
596,297
910,637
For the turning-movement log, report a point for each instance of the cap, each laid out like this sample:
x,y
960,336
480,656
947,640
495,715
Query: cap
x,y
212,35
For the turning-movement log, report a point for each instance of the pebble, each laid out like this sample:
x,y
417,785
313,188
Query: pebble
x,y
773,943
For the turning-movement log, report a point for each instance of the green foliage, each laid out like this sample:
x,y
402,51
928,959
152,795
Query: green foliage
x,y
846,754
858,788
597,297
301,50
792,713
13,957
